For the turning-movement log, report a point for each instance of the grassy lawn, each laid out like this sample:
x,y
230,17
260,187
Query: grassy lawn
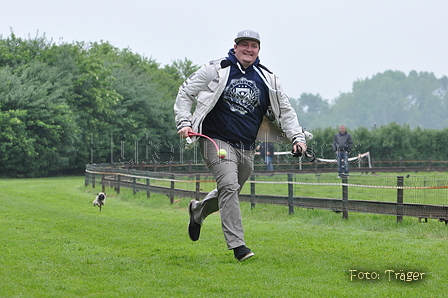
x,y
54,243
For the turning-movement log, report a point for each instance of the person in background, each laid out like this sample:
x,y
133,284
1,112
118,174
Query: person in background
x,y
342,145
234,99
267,153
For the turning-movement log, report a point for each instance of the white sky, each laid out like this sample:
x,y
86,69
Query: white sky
x,y
314,46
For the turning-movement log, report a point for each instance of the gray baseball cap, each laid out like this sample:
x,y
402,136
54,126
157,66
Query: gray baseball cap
x,y
247,34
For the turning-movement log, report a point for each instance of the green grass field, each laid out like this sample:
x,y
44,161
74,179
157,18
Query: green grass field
x,y
54,243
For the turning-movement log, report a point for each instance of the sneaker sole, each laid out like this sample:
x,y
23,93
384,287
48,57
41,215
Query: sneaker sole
x,y
251,254
190,211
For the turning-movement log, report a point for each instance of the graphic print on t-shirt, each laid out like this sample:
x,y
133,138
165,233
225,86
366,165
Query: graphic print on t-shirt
x,y
242,95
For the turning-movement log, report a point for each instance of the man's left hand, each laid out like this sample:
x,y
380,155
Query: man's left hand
x,y
299,147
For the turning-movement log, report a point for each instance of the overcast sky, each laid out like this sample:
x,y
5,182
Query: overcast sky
x,y
314,46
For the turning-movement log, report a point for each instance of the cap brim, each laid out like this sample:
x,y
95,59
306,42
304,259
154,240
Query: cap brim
x,y
237,40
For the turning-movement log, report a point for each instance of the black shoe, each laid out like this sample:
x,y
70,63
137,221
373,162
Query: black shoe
x,y
194,229
242,253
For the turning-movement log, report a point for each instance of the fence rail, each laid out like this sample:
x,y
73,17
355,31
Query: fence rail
x,y
412,199
303,167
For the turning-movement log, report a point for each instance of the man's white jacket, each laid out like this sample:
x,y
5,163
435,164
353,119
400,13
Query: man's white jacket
x,y
204,88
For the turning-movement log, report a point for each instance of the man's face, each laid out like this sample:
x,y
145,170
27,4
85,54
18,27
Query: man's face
x,y
246,51
342,129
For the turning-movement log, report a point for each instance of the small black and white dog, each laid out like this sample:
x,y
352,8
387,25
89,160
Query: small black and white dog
x,y
100,200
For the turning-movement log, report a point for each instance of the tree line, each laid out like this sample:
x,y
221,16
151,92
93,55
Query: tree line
x,y
61,103
416,99
68,104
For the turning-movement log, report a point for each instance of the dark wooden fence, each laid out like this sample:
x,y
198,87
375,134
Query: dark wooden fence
x,y
141,180
376,166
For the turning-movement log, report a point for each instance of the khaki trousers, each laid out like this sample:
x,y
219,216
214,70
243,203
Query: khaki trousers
x,y
230,175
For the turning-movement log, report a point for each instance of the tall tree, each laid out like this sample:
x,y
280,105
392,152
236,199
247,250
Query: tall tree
x,y
34,98
311,110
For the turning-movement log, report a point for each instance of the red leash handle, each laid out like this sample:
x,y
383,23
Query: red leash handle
x,y
190,134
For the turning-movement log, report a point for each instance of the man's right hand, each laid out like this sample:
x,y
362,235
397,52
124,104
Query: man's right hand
x,y
183,132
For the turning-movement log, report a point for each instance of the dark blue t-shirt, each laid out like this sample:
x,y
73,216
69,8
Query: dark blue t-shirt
x,y
239,111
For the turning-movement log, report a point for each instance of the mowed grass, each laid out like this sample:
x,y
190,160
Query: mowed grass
x,y
54,243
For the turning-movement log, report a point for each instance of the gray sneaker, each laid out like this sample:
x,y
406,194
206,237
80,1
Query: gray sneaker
x,y
242,253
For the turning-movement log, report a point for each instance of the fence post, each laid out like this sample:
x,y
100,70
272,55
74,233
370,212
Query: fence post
x,y
400,192
172,189
134,185
198,186
290,194
344,196
118,184
103,183
148,188
252,192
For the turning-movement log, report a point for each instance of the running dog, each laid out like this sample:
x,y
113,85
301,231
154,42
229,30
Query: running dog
x,y
100,200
